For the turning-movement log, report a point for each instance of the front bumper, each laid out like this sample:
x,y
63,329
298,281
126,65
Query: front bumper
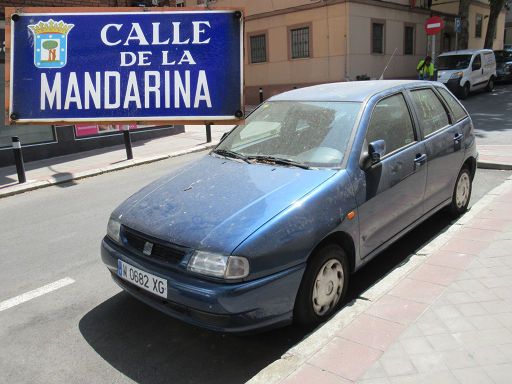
x,y
454,86
235,308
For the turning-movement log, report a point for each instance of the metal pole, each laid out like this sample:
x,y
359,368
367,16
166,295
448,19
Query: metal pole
x,y
261,95
128,143
456,41
433,47
18,159
208,133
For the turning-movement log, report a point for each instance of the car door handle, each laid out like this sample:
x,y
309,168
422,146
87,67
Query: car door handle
x,y
420,158
458,137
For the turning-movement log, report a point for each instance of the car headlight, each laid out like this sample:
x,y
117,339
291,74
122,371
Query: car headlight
x,y
114,229
457,75
213,264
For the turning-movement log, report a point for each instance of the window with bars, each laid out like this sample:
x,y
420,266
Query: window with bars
x,y
377,38
408,40
478,25
258,48
299,38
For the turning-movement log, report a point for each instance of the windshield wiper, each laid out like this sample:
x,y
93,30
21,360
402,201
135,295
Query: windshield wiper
x,y
232,154
278,160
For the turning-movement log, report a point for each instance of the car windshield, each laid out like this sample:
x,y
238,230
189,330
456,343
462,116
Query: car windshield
x,y
306,134
453,62
503,56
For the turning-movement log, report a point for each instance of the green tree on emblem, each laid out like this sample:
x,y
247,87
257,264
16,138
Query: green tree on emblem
x,y
50,46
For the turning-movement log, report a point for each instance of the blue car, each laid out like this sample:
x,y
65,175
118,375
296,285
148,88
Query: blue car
x,y
269,226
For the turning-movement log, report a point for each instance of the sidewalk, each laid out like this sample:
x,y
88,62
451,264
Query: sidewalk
x,y
61,169
495,156
444,316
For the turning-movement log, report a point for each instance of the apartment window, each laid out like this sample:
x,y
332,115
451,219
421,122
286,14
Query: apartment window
x,y
478,25
408,40
180,3
378,38
299,40
258,45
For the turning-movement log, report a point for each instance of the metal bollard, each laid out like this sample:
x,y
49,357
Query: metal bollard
x,y
128,143
261,95
208,133
18,159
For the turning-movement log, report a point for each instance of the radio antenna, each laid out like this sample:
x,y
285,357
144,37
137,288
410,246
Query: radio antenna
x,y
389,61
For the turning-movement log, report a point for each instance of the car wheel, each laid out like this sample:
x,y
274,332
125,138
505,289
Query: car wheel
x,y
461,193
464,93
490,85
323,285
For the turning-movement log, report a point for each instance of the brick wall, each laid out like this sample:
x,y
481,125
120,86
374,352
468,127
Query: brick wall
x,y
79,3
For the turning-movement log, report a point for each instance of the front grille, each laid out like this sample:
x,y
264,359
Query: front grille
x,y
162,252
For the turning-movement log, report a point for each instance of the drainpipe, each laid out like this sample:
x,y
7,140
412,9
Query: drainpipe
x,y
347,43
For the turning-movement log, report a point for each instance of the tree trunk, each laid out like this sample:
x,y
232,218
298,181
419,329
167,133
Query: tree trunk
x,y
495,8
464,31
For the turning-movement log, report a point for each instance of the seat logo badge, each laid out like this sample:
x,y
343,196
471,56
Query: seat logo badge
x,y
148,248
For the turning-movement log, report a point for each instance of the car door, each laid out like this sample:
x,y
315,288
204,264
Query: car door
x,y
394,187
476,72
443,138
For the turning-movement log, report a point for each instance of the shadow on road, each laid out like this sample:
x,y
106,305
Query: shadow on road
x,y
150,347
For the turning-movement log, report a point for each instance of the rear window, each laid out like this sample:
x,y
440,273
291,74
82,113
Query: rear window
x,y
431,112
503,56
457,110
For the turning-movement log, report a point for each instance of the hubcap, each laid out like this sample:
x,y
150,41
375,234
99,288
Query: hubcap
x,y
328,287
462,194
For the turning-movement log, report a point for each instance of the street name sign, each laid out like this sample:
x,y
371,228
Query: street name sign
x,y
434,25
124,64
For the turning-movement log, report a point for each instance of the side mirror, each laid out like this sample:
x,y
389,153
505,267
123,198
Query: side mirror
x,y
376,150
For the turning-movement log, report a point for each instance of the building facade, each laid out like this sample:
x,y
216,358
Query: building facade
x,y
293,43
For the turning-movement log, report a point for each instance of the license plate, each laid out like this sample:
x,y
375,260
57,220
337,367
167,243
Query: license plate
x,y
142,279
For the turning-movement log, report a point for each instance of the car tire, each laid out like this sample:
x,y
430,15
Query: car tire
x,y
323,286
464,92
461,193
490,85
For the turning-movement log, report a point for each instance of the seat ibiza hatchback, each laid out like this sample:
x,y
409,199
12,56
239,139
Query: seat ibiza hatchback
x,y
268,227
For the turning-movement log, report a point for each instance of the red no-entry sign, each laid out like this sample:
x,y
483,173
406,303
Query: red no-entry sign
x,y
434,25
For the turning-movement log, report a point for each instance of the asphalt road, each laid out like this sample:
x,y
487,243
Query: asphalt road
x,y
492,114
90,331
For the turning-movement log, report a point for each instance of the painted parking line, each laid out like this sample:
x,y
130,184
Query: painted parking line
x,y
12,302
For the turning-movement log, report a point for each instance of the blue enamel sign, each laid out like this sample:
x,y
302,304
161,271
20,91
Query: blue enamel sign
x,y
126,66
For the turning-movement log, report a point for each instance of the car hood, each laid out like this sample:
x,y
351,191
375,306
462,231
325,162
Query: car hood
x,y
216,203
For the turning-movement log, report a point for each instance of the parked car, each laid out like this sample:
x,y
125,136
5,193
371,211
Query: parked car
x,y
268,227
503,65
466,71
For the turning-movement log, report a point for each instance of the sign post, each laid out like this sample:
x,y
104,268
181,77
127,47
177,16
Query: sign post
x,y
115,65
433,26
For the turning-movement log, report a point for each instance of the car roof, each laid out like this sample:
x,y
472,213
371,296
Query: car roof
x,y
465,52
346,91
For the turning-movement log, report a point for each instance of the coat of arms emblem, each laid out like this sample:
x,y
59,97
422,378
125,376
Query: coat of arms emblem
x,y
50,43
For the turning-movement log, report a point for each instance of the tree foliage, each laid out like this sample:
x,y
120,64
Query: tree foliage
x,y
50,44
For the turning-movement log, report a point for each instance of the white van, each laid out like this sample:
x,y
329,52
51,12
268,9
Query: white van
x,y
467,70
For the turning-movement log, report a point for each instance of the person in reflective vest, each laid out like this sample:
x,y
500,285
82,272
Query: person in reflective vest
x,y
425,69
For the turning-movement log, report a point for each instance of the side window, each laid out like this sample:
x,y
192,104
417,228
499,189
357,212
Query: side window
x,y
457,110
431,112
477,63
392,123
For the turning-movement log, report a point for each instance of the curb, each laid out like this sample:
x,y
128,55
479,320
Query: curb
x,y
491,165
38,184
299,354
